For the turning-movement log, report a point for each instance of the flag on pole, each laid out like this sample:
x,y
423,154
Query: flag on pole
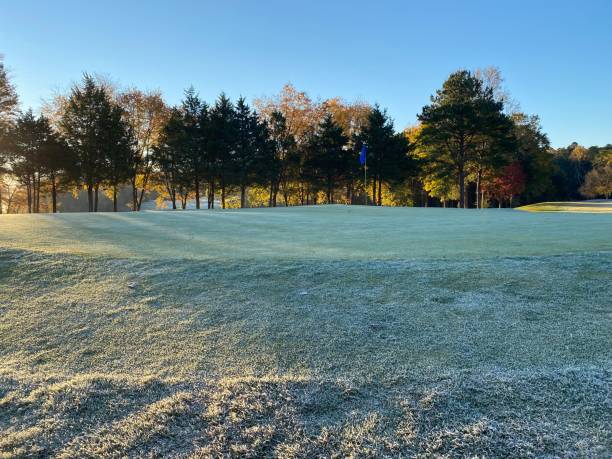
x,y
362,155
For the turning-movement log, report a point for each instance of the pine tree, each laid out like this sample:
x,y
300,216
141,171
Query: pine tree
x,y
27,142
119,151
329,157
387,157
9,102
83,124
194,120
175,168
252,149
462,117
221,146
57,164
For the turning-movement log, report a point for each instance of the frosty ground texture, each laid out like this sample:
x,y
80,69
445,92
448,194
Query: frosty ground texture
x,y
329,331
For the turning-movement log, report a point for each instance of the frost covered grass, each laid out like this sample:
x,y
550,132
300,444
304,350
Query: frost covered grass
x,y
305,332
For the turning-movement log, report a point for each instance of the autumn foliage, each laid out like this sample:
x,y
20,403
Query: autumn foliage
x,y
509,183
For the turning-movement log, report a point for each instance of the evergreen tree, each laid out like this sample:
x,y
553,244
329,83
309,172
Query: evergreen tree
x,y
58,165
252,149
387,157
175,168
9,102
119,151
194,125
222,146
28,139
460,117
38,154
329,158
84,124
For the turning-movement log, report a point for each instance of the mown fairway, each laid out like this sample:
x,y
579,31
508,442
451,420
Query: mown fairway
x,y
305,332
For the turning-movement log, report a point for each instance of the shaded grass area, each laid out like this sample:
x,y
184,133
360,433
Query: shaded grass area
x,y
600,206
480,336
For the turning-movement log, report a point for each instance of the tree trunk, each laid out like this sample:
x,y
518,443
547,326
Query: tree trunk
x,y
53,193
96,189
197,191
373,191
29,191
184,201
242,196
380,192
478,178
90,206
135,205
145,181
211,194
114,198
223,195
37,192
173,198
461,189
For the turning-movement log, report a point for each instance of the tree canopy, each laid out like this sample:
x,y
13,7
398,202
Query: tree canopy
x,y
472,147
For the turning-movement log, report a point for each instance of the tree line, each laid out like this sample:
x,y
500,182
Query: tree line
x,y
470,148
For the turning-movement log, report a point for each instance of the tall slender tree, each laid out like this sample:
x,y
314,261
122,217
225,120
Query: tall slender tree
x,y
283,156
57,164
9,104
146,113
222,145
119,156
28,140
387,159
170,155
329,158
252,149
83,124
9,101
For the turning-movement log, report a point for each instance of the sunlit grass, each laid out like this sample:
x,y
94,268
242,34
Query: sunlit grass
x,y
580,206
305,332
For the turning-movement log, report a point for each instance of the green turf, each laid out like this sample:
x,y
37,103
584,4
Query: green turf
x,y
306,331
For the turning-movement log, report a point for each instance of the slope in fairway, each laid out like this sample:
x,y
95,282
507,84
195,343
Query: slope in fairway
x,y
306,331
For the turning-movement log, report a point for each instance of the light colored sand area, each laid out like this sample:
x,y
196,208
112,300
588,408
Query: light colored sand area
x,y
597,206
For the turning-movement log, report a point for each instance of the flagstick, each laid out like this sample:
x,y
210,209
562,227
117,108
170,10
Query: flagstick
x,y
365,178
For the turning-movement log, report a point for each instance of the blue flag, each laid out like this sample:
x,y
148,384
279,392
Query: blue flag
x,y
362,155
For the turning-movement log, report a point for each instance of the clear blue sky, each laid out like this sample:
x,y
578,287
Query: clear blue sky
x,y
556,56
